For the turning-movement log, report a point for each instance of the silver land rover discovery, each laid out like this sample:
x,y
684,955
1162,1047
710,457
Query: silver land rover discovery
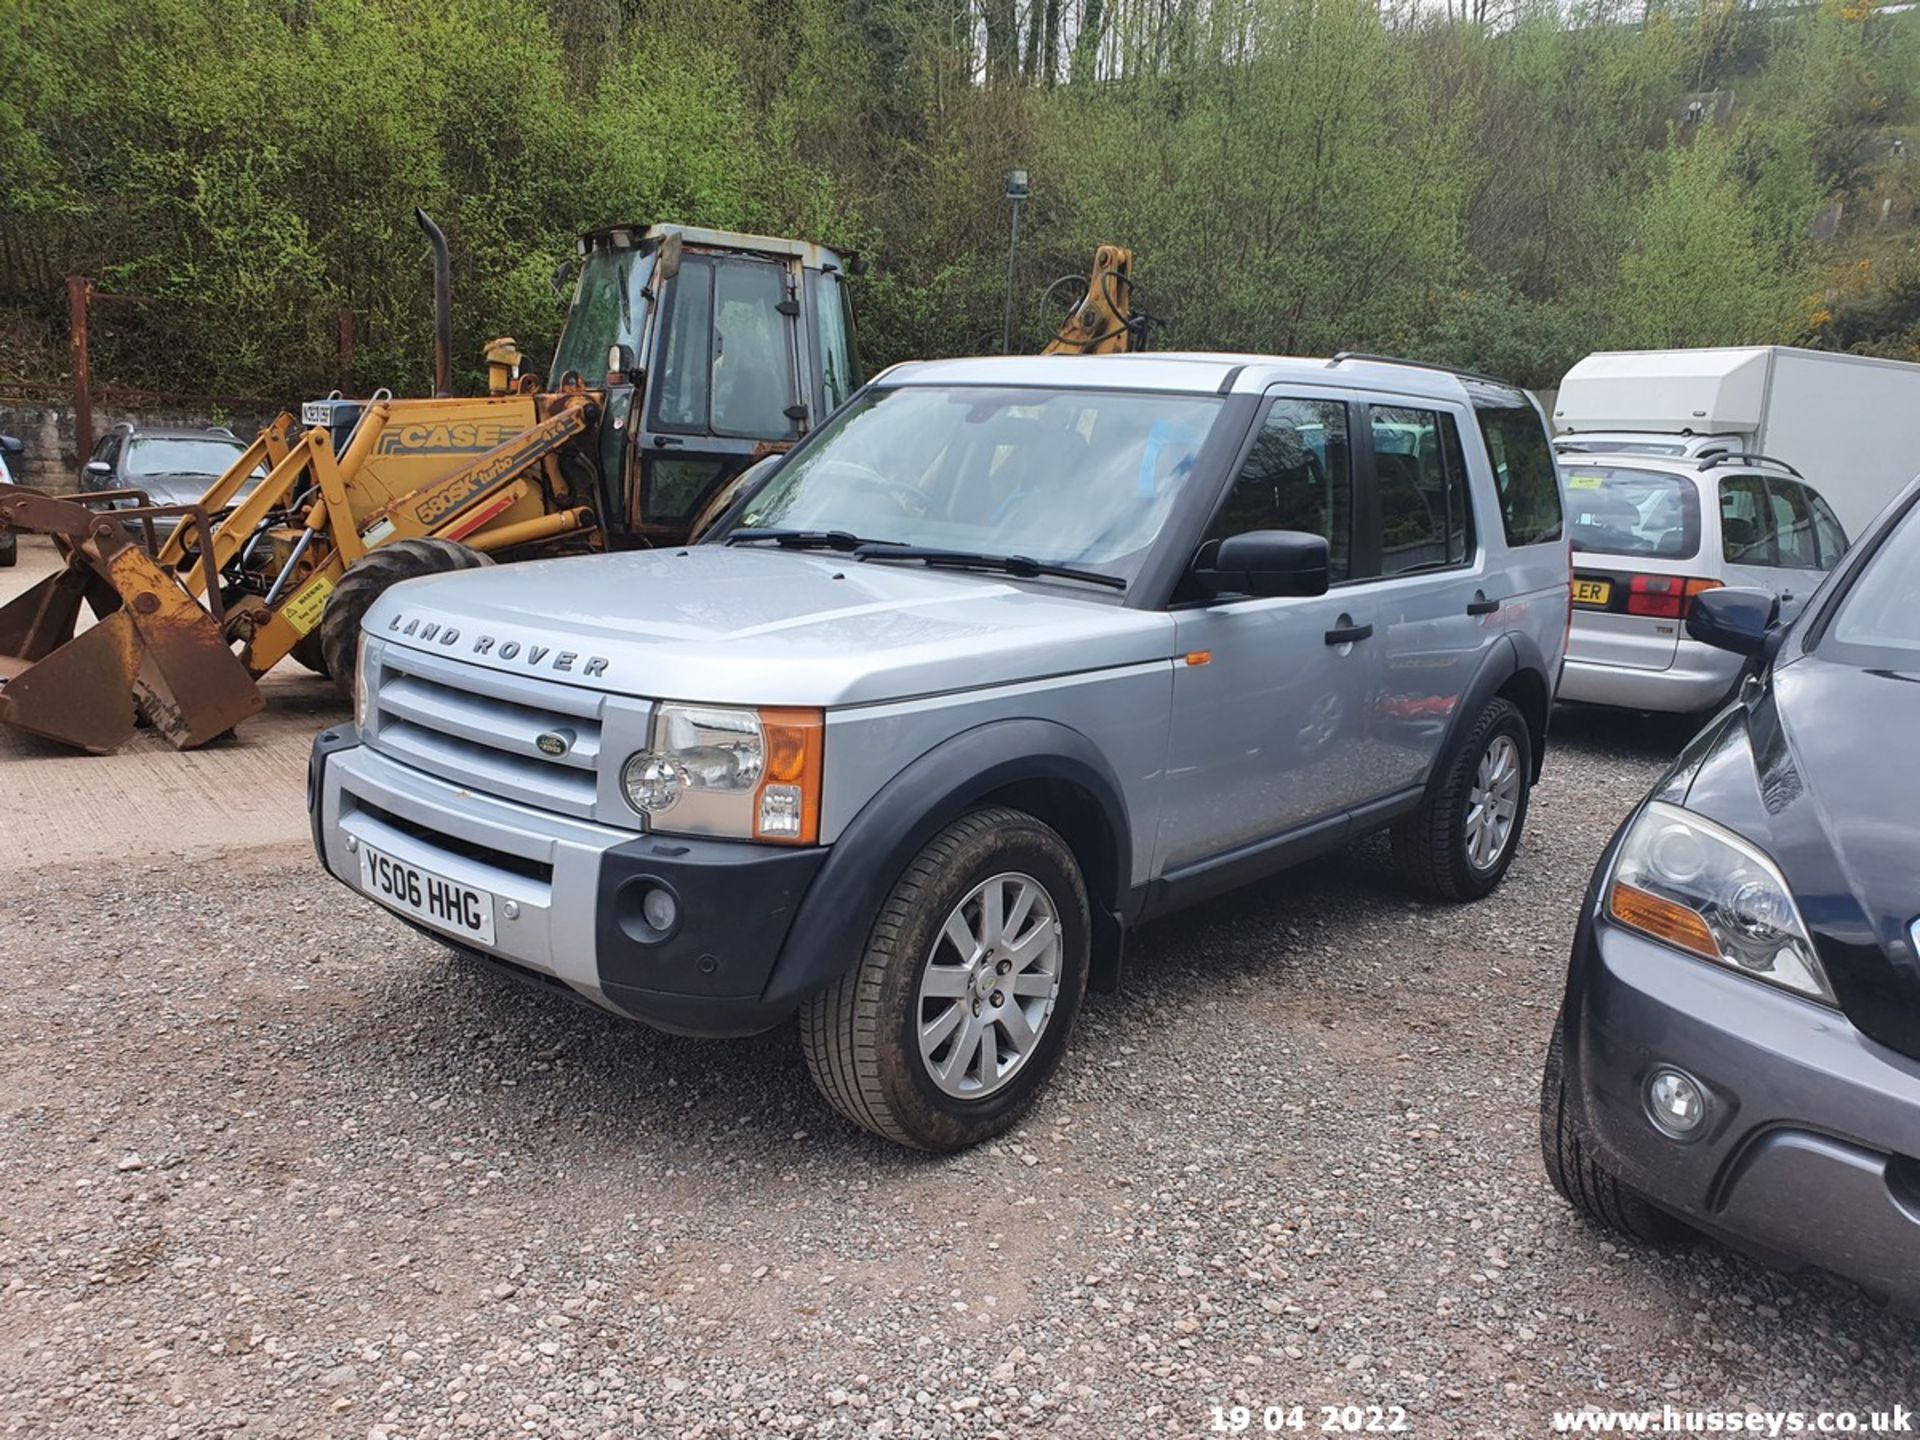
x,y
1007,657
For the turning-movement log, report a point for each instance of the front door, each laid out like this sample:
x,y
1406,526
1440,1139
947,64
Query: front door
x,y
1270,703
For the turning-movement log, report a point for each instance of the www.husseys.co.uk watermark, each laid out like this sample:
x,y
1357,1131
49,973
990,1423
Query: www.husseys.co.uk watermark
x,y
1671,1420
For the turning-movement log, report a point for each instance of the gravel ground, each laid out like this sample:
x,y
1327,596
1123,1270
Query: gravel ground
x,y
273,1165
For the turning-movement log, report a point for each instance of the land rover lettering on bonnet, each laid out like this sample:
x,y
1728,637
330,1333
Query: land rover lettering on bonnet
x,y
1003,658
536,654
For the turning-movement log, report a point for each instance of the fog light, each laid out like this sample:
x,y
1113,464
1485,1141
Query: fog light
x,y
658,909
1675,1102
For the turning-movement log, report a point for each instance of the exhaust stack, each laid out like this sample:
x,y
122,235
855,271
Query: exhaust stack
x,y
442,306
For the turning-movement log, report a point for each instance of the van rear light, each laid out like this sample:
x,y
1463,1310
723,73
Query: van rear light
x,y
1667,596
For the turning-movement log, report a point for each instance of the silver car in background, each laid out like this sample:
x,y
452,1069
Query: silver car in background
x,y
1649,534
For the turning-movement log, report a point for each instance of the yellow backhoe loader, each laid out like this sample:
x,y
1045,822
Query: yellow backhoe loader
x,y
687,356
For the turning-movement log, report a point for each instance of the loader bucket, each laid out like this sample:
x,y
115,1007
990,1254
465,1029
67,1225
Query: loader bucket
x,y
153,653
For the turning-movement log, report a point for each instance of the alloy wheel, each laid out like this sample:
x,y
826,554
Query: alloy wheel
x,y
989,986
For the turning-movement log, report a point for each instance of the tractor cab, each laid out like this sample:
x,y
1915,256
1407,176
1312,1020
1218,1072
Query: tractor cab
x,y
711,349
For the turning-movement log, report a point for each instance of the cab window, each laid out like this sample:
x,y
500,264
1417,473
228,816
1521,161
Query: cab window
x,y
839,365
1297,476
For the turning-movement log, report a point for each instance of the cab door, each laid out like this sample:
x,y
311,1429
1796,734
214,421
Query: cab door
x,y
723,388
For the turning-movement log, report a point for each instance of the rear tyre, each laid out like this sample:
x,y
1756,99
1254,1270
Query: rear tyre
x,y
1458,843
366,579
960,1008
1582,1181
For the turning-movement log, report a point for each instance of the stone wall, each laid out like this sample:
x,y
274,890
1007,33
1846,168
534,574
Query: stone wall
x,y
51,462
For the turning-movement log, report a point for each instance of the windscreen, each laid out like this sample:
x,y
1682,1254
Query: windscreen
x,y
1074,477
1614,510
609,308
1878,622
180,457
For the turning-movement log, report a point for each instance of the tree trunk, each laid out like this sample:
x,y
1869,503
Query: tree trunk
x,y
1086,46
1003,40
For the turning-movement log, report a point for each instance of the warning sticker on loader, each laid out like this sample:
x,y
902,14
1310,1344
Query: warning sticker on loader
x,y
308,604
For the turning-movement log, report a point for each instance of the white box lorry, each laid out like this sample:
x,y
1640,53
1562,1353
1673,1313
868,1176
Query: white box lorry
x,y
1849,423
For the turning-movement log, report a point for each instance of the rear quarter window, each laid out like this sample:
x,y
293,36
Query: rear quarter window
x,y
1523,470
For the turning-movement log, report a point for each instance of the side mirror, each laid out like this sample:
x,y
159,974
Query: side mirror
x,y
99,468
11,445
562,282
1263,562
1736,619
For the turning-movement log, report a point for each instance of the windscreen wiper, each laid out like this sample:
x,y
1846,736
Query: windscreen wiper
x,y
1017,565
810,539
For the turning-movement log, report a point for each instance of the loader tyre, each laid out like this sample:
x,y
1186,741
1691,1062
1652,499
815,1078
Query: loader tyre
x,y
366,579
310,652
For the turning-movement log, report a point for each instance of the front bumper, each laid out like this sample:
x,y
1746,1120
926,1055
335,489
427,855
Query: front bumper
x,y
1810,1152
1699,678
576,888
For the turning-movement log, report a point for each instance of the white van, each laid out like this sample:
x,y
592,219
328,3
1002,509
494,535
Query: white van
x,y
1849,423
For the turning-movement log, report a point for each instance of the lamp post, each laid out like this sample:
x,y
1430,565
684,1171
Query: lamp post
x,y
1017,191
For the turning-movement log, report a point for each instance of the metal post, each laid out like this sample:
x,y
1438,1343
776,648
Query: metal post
x,y
1017,190
79,292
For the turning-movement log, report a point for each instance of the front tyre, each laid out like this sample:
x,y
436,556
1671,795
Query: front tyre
x,y
365,581
974,972
1458,843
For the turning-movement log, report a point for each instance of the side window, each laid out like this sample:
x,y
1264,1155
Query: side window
x,y
1828,530
1421,481
1523,469
840,374
1794,539
1298,476
1746,521
752,351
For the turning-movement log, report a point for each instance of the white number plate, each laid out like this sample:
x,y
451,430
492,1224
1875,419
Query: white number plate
x,y
439,902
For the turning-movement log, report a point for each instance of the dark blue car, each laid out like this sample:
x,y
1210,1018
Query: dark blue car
x,y
1738,1052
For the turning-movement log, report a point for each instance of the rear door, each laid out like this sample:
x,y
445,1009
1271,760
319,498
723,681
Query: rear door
x,y
1750,535
1430,594
1799,552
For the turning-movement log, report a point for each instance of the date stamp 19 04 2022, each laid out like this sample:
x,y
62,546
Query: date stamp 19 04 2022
x,y
1301,1419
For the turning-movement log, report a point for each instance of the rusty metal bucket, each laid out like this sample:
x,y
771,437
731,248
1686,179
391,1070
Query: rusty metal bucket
x,y
154,652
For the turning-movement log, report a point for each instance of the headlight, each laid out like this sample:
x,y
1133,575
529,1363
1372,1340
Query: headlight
x,y
743,774
363,683
1688,882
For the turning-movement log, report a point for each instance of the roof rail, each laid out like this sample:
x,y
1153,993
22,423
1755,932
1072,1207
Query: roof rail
x,y
1346,355
1731,457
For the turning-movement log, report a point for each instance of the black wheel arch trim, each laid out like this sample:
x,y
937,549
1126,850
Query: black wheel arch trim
x,y
866,860
1512,654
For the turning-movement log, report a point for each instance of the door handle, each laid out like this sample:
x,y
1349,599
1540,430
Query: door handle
x,y
1347,634
1480,605
661,442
